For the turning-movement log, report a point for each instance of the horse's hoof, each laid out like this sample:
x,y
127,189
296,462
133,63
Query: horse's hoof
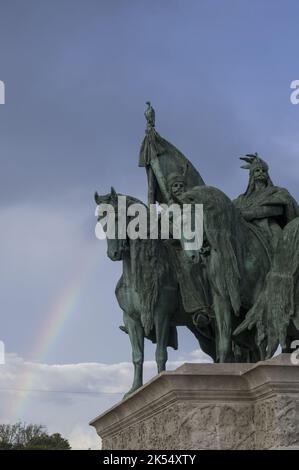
x,y
132,390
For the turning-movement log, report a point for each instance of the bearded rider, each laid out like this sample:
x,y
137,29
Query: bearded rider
x,y
268,207
193,285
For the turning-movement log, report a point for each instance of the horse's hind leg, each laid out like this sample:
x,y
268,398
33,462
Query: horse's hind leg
x,y
136,335
223,316
162,326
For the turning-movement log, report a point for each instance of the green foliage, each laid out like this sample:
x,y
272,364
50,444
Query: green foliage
x,y
32,436
52,442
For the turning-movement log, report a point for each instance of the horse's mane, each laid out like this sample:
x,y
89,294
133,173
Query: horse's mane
x,y
221,230
151,269
132,200
150,265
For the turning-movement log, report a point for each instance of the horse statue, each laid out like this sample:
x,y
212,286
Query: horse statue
x,y
148,295
237,263
276,313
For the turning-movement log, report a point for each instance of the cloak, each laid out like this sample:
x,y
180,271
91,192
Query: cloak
x,y
271,196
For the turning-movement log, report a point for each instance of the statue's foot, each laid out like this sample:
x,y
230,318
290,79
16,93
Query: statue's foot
x,y
201,319
126,395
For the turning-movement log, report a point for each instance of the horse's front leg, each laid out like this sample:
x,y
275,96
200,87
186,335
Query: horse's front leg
x,y
163,313
223,315
136,335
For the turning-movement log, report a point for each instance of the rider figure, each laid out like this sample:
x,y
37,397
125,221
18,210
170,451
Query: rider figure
x,y
176,185
193,288
266,206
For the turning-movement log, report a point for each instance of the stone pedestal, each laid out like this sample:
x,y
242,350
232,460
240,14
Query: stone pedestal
x,y
209,406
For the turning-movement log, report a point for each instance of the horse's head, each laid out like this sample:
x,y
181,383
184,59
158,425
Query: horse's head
x,y
108,216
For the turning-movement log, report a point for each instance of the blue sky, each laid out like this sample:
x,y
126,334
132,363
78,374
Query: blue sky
x,y
77,75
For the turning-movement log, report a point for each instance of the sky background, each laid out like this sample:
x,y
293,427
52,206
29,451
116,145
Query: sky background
x,y
77,75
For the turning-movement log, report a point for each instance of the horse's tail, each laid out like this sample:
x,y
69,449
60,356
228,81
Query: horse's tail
x,y
275,307
279,299
224,271
220,227
282,279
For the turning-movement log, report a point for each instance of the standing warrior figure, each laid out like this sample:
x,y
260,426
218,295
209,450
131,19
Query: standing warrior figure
x,y
268,207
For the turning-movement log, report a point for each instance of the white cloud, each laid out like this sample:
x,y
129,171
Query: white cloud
x,y
80,439
199,356
65,397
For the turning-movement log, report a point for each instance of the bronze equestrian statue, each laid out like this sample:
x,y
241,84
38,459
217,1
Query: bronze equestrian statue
x,y
238,292
149,297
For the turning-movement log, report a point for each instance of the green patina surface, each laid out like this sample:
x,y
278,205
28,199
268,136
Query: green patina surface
x,y
238,293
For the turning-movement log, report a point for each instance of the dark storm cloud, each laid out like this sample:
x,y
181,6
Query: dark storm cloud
x,y
78,73
77,76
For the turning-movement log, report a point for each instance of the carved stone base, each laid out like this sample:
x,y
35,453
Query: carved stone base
x,y
209,406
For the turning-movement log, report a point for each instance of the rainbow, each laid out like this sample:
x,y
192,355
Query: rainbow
x,y
52,329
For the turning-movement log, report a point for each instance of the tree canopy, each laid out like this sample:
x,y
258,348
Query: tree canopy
x,y
30,436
